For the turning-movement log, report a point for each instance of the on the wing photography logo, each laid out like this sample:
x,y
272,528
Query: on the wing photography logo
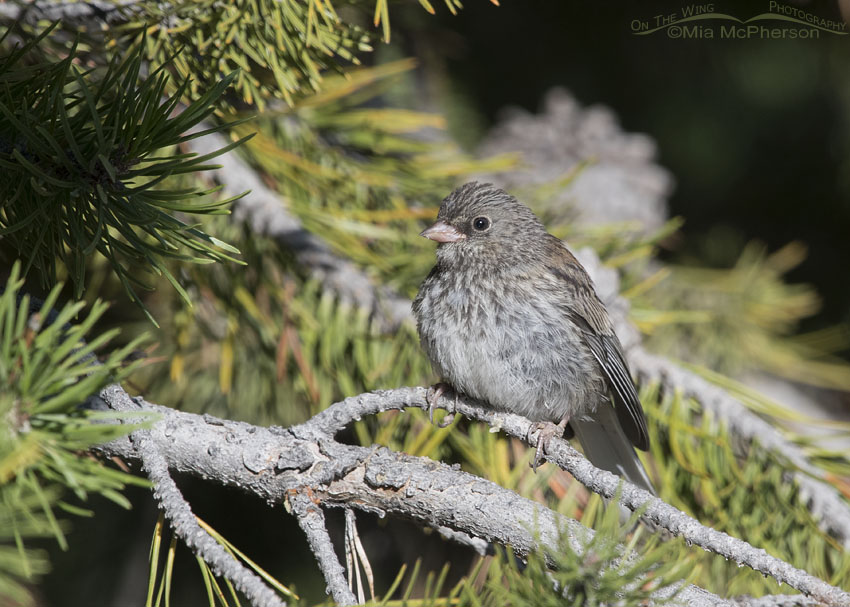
x,y
707,22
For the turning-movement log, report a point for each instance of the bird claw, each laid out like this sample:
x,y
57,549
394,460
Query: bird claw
x,y
449,417
546,432
434,394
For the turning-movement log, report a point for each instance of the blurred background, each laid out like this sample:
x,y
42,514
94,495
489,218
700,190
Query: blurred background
x,y
755,132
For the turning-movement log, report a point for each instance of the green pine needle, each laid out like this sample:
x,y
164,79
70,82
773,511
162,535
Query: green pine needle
x,y
87,157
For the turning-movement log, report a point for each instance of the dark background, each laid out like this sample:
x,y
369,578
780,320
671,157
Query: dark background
x,y
755,132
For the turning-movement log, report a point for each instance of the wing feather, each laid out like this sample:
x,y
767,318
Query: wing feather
x,y
590,316
608,353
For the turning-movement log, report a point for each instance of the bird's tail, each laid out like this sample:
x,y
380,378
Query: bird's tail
x,y
606,446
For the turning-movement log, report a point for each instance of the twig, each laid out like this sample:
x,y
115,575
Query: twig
x,y
602,482
90,13
273,462
312,521
179,514
481,547
823,499
380,481
777,600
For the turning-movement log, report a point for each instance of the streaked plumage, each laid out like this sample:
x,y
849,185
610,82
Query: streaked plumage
x,y
509,316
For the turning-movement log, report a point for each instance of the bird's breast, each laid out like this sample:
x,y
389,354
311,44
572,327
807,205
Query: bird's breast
x,y
506,342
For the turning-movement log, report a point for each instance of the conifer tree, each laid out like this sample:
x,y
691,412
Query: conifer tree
x,y
235,179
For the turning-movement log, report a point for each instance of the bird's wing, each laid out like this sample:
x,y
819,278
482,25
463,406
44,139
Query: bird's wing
x,y
589,315
608,353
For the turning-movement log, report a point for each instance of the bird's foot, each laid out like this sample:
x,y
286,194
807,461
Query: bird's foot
x,y
434,394
546,432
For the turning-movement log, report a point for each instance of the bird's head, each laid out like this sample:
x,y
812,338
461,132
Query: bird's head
x,y
480,220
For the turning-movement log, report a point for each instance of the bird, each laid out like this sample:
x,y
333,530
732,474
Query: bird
x,y
510,317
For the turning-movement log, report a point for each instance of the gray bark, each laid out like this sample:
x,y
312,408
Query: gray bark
x,y
277,463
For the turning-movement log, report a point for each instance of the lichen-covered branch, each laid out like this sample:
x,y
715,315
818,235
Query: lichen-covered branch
x,y
179,514
311,519
272,463
823,499
599,481
91,13
778,600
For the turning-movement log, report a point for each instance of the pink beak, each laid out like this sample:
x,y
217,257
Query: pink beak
x,y
442,232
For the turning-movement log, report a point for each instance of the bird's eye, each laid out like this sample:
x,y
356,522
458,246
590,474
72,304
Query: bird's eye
x,y
481,223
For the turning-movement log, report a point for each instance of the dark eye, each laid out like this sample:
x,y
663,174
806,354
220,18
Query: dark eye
x,y
480,223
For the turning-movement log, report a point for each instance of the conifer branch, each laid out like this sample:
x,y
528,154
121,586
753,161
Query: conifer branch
x,y
90,13
86,163
312,521
778,600
822,498
272,463
266,213
606,484
179,512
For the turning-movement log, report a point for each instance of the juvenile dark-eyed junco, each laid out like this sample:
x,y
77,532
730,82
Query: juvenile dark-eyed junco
x,y
510,317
